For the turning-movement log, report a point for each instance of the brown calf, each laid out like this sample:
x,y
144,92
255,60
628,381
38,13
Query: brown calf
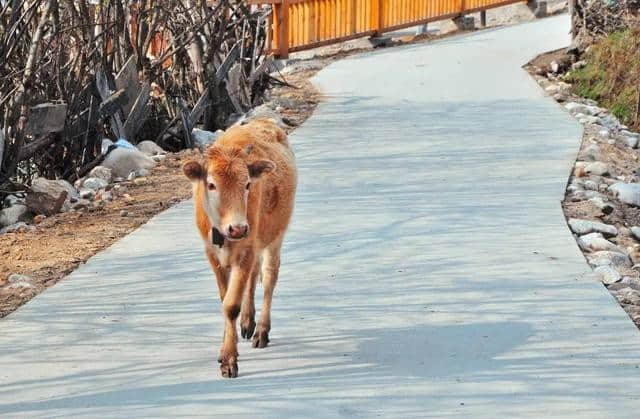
x,y
244,193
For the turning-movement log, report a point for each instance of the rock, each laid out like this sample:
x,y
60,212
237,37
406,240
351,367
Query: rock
x,y
554,66
142,173
594,242
560,97
593,152
263,111
596,168
47,204
104,196
590,185
605,133
204,139
123,161
578,65
609,258
101,172
81,204
629,133
552,88
16,281
13,278
628,193
607,275
54,188
118,179
10,200
124,213
575,108
635,231
604,206
628,295
132,176
609,121
87,193
106,143
94,183
581,227
39,218
150,148
20,227
13,214
632,141
159,157
587,119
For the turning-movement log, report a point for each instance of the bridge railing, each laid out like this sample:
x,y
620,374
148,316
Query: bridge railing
x,y
304,24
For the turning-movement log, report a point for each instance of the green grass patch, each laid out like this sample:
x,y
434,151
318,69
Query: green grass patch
x,y
612,76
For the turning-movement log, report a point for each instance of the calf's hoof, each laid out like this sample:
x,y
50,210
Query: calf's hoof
x,y
229,367
247,326
261,339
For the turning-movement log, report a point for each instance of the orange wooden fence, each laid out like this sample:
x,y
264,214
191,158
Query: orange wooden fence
x,y
304,24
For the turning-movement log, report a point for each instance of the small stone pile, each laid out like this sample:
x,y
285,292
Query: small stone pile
x,y
608,190
46,197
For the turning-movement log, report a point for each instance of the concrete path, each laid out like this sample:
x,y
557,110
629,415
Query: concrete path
x,y
428,271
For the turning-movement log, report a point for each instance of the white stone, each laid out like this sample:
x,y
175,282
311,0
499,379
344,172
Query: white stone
x,y
607,275
632,141
54,187
204,139
596,168
628,193
94,183
150,148
594,242
609,258
604,133
586,226
12,215
101,172
575,108
17,227
87,193
123,161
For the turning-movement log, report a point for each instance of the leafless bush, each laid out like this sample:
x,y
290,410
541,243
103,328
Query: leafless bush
x,y
69,52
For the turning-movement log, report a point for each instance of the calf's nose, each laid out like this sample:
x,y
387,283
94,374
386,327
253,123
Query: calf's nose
x,y
238,230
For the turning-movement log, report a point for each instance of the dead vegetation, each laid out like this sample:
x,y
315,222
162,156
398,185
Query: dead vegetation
x,y
73,72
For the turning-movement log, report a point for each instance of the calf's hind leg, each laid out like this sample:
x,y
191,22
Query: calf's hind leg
x,y
248,312
270,269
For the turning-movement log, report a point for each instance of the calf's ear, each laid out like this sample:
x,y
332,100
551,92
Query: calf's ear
x,y
259,167
193,170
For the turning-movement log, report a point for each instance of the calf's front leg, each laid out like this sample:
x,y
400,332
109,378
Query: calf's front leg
x,y
238,278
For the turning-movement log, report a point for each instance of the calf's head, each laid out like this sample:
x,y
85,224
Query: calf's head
x,y
222,183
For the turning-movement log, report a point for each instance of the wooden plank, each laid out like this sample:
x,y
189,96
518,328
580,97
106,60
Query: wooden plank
x,y
127,79
139,112
105,91
312,21
186,126
229,60
203,103
46,118
112,104
233,87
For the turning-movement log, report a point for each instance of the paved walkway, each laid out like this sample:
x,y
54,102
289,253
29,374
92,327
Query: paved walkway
x,y
428,271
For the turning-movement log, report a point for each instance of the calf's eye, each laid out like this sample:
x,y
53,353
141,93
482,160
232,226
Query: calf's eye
x,y
211,186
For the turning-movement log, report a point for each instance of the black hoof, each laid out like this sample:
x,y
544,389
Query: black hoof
x,y
247,328
229,368
261,339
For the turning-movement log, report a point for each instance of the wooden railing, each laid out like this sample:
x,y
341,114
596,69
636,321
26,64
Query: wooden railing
x,y
303,24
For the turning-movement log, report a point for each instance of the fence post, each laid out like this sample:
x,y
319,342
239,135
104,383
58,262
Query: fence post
x,y
283,29
380,24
